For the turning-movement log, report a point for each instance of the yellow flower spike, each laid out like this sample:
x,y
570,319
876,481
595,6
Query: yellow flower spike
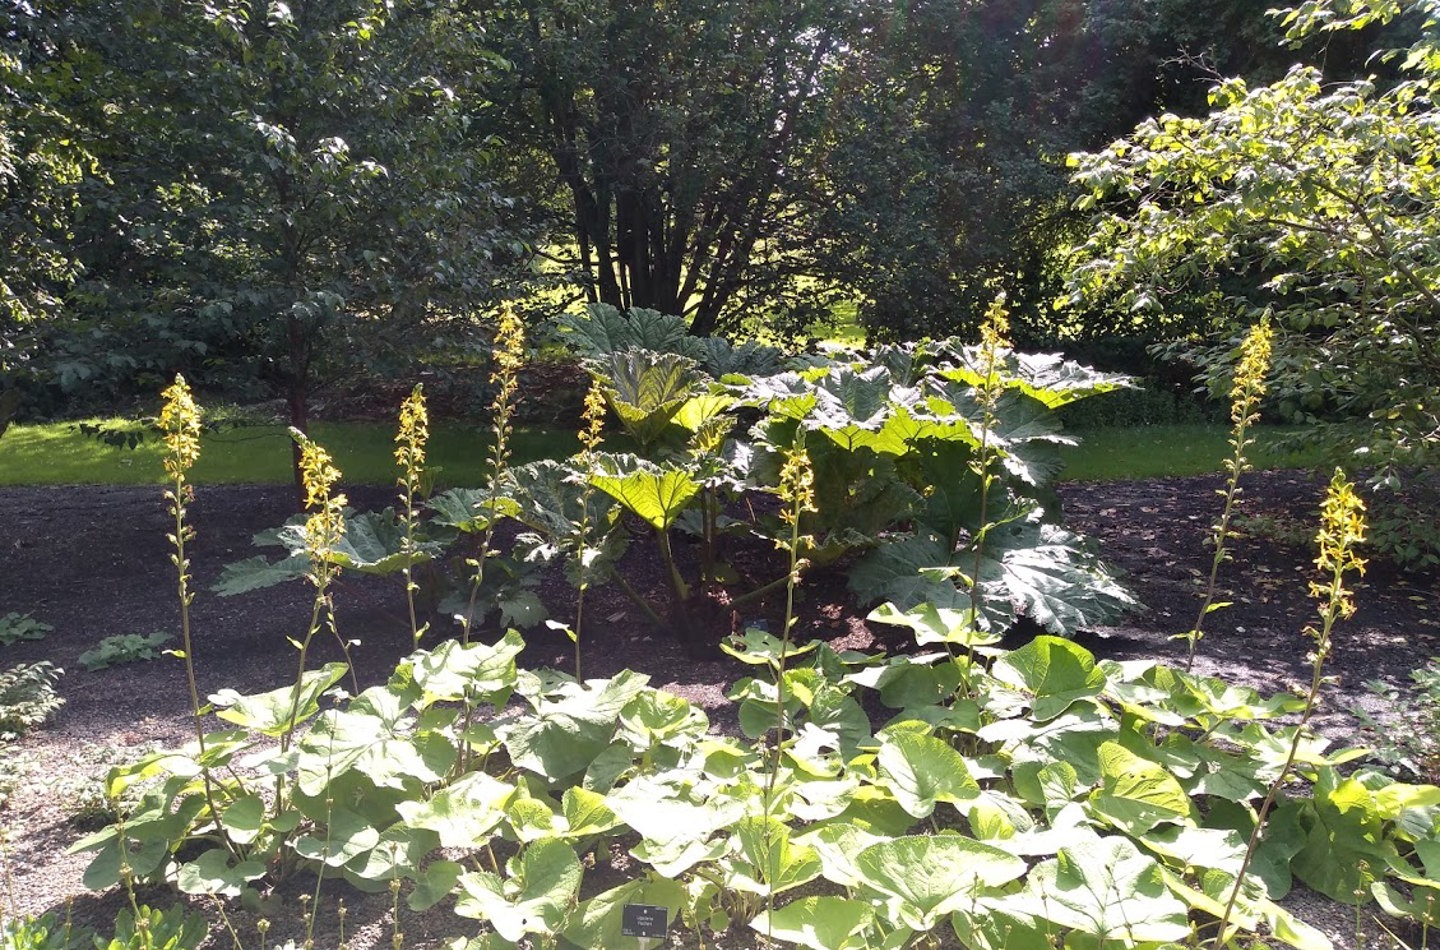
x,y
797,484
413,434
509,343
180,422
1249,383
995,331
1342,530
317,472
593,417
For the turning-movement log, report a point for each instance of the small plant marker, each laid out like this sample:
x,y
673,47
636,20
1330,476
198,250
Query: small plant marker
x,y
646,921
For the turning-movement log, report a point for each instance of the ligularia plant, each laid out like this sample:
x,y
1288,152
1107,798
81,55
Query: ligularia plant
x,y
592,426
1245,394
1342,531
505,376
324,529
410,440
994,340
180,426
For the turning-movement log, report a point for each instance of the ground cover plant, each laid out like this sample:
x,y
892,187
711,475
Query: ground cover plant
x,y
1012,796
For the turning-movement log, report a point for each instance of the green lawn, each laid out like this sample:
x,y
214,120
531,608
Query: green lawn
x,y
1108,454
59,454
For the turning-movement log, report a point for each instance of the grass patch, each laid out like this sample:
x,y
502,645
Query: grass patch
x,y
59,454
1114,454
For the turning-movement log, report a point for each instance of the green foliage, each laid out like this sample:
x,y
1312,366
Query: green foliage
x,y
15,627
1014,797
124,648
151,929
1406,734
267,199
1323,197
27,697
46,932
1057,795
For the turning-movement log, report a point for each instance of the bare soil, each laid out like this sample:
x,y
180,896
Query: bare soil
x,y
95,561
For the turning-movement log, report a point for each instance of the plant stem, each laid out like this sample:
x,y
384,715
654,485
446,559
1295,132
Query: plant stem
x,y
1342,528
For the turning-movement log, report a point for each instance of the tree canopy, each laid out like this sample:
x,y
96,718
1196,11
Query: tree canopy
x,y
1324,197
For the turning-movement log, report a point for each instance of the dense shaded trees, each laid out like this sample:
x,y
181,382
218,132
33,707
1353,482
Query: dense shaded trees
x,y
277,189
263,194
1318,203
671,134
940,180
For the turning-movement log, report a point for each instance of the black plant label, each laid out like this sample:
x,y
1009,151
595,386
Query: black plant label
x,y
644,920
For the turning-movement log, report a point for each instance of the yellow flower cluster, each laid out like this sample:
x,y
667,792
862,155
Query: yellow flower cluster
x,y
797,484
413,434
318,473
1249,384
509,345
995,331
593,417
1342,530
180,421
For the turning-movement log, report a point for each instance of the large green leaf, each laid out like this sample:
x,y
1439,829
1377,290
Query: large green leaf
x,y
848,401
374,543
569,727
258,572
374,735
837,845
1050,379
1051,574
647,389
1107,889
773,862
463,813
922,770
899,572
928,876
279,710
720,357
1137,794
536,900
454,670
599,921
933,624
663,811
1346,849
1056,672
217,873
603,330
467,509
657,495
819,923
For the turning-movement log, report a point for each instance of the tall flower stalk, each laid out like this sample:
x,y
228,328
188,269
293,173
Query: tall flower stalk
x,y
797,493
1342,531
323,530
994,341
410,442
180,427
591,432
1245,394
509,357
